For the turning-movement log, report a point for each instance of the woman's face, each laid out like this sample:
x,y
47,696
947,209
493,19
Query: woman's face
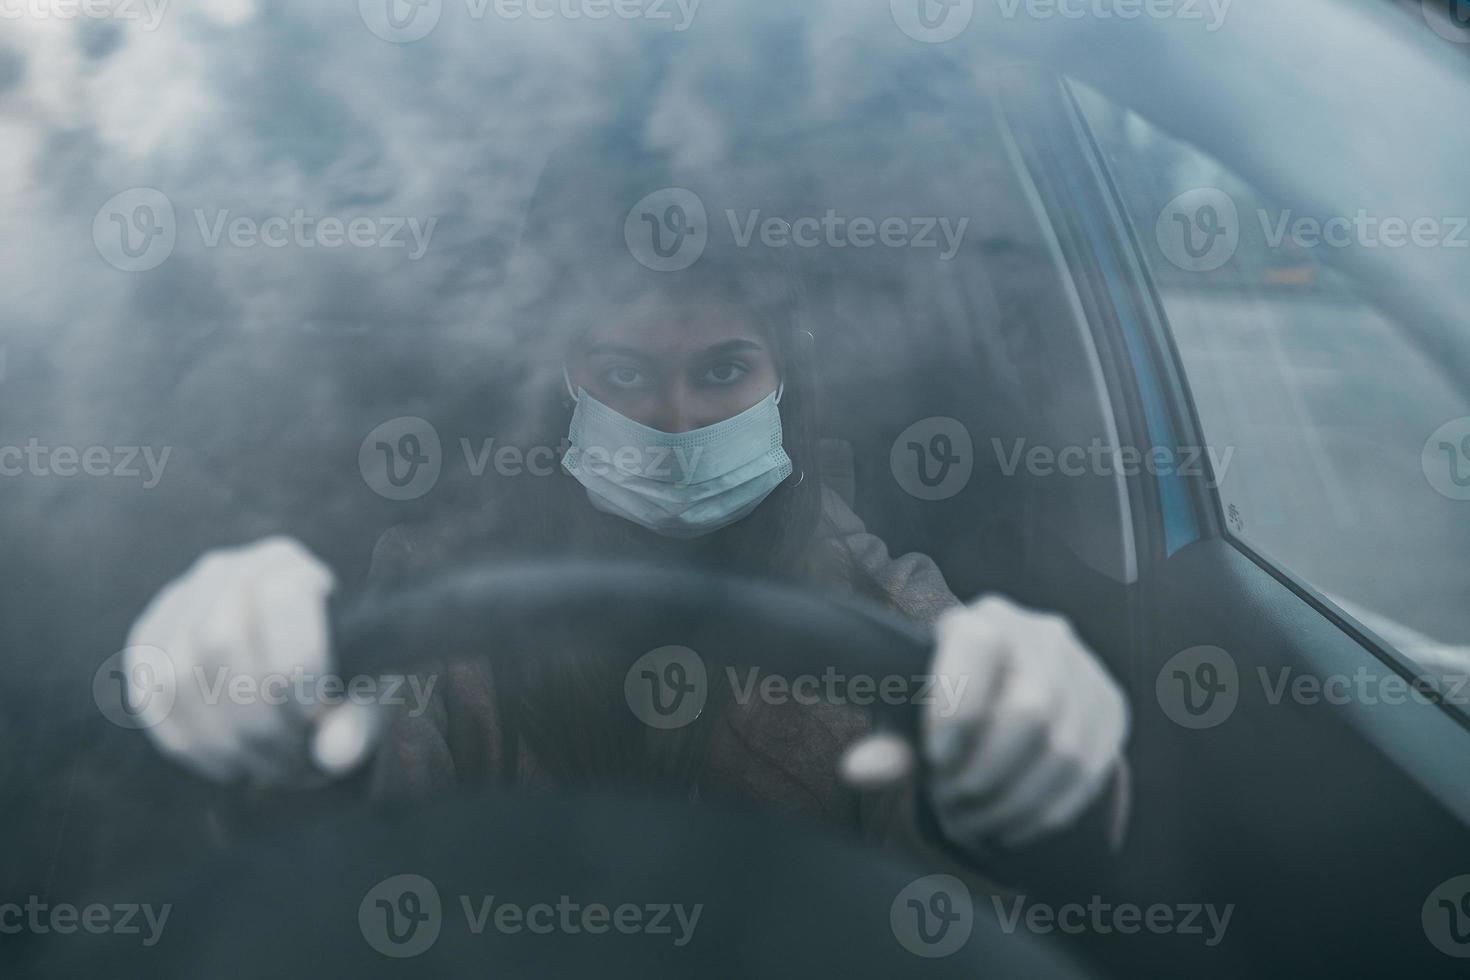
x,y
676,371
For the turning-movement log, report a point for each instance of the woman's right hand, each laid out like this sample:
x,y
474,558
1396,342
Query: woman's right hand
x,y
245,633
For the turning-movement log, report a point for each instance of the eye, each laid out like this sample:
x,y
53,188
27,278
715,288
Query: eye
x,y
725,373
623,376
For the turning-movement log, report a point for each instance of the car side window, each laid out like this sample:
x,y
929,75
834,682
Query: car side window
x,y
1340,448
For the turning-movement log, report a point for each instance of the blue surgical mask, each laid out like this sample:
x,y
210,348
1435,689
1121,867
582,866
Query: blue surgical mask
x,y
683,484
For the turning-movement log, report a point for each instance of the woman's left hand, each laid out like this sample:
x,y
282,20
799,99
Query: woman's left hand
x,y
1033,731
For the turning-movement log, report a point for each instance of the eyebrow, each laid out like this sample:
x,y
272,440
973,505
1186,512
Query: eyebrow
x,y
731,347
618,350
624,350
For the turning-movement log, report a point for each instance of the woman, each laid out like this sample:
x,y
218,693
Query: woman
x,y
687,405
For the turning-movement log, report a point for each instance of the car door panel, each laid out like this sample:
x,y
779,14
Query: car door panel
x,y
1311,814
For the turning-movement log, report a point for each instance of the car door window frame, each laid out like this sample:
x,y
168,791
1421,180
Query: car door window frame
x,y
1164,359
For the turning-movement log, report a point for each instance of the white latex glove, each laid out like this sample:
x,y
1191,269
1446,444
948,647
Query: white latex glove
x,y
260,611
1036,734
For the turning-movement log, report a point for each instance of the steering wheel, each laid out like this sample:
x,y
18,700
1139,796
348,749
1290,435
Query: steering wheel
x,y
775,897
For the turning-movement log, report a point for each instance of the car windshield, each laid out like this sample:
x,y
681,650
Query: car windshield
x,y
481,317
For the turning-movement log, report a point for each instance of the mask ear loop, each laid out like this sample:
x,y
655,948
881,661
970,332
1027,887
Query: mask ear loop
x,y
800,473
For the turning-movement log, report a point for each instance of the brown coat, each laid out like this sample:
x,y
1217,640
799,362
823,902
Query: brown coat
x,y
781,757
